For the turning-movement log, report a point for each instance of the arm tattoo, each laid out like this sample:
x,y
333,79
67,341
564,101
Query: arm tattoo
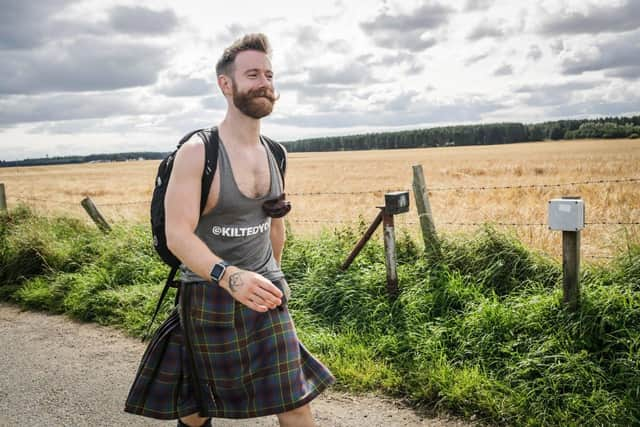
x,y
235,281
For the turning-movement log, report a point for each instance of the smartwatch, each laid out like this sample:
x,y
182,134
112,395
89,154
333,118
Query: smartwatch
x,y
218,271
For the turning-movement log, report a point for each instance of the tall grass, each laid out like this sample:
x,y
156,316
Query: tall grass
x,y
481,331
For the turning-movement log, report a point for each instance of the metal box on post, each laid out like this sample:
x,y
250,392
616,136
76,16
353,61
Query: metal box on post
x,y
566,214
396,202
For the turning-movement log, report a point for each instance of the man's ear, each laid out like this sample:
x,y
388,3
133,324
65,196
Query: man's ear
x,y
224,83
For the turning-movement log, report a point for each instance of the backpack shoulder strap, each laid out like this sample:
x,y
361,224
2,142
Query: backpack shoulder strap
x,y
280,154
211,144
188,137
170,283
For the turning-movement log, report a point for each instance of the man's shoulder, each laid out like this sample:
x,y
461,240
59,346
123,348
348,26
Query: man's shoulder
x,y
191,151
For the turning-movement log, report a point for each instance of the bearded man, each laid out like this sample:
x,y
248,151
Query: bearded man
x,y
230,349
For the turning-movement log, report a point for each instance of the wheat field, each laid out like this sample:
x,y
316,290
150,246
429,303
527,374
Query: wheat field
x,y
331,189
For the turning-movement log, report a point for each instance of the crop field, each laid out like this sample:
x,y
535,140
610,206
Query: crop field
x,y
508,185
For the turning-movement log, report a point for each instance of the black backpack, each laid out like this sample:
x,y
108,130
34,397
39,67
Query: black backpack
x,y
211,141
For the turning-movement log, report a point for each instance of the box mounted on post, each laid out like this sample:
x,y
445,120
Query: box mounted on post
x,y
396,202
566,214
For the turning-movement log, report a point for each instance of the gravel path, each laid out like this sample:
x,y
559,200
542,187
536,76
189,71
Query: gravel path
x,y
57,372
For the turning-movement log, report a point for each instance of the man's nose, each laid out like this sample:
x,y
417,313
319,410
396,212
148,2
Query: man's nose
x,y
265,81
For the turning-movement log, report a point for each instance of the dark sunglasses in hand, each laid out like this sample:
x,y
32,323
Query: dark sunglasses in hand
x,y
277,208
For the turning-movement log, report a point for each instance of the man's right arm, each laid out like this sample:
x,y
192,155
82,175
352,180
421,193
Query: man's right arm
x,y
182,210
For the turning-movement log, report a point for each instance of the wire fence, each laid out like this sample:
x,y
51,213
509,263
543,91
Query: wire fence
x,y
380,192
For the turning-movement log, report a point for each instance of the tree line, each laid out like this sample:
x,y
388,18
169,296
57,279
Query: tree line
x,y
92,158
480,134
494,133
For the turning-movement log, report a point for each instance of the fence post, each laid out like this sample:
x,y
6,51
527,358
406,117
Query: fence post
x,y
363,240
567,214
95,214
431,243
571,269
390,254
3,199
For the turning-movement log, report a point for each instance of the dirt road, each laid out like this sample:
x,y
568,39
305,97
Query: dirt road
x,y
57,372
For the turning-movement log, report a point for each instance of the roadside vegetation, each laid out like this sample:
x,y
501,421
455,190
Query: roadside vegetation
x,y
479,332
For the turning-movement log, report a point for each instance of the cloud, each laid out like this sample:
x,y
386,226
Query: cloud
x,y
41,108
486,30
459,111
551,94
473,5
215,102
348,74
407,31
29,24
534,52
85,64
186,86
140,20
596,19
626,73
503,70
557,46
595,107
617,53
408,63
473,59
26,24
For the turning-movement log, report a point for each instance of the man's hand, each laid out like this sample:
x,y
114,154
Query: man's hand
x,y
251,289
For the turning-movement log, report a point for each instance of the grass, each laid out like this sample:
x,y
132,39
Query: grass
x,y
480,331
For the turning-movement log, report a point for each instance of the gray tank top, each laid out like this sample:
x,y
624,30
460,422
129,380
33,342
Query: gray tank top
x,y
237,230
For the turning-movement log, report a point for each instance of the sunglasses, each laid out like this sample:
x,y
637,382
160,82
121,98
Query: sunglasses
x,y
277,208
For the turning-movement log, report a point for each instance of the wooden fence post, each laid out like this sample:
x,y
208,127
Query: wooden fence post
x,y
95,214
3,199
363,240
571,269
431,243
567,214
390,255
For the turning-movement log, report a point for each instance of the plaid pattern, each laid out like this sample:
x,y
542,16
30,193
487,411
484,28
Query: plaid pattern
x,y
248,364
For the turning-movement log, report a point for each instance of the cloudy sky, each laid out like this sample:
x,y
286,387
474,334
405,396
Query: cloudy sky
x,y
98,76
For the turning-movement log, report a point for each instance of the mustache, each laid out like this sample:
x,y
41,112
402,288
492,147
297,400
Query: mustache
x,y
270,94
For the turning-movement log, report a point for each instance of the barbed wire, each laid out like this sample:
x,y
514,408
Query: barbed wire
x,y
342,193
473,188
382,191
514,224
139,202
564,184
35,199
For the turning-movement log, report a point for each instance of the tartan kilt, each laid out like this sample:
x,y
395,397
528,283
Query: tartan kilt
x,y
247,364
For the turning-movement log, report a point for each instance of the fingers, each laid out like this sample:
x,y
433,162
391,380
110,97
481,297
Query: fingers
x,y
254,291
266,298
252,304
267,286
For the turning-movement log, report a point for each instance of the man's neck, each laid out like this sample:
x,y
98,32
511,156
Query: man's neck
x,y
239,129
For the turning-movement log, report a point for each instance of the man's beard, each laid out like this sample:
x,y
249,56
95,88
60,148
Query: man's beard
x,y
256,103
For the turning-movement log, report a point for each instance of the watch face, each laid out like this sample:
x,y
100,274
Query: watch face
x,y
217,272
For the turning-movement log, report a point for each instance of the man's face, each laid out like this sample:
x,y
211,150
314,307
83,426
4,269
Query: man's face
x,y
252,84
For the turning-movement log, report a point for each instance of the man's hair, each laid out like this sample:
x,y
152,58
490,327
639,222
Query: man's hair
x,y
257,41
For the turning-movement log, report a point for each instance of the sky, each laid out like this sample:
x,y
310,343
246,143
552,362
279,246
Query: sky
x,y
102,76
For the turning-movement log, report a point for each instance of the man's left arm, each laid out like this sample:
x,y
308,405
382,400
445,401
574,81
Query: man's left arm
x,y
278,236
